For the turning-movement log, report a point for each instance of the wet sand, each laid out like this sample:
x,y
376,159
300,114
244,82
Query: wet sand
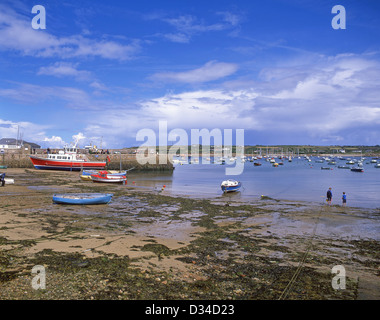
x,y
148,244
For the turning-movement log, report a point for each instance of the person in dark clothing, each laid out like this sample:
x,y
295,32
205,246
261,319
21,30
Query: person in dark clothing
x,y
329,196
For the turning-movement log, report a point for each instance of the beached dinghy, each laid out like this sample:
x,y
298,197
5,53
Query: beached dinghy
x,y
89,172
105,177
82,198
230,185
86,174
86,177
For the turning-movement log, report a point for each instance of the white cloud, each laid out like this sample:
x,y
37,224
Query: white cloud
x,y
212,70
32,94
78,137
177,37
17,34
322,98
65,69
53,142
187,26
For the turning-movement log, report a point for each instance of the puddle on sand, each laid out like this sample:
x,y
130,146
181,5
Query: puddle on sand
x,y
44,188
281,226
177,230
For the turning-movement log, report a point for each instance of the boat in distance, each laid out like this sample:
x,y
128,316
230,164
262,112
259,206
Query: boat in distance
x,y
230,185
82,198
68,160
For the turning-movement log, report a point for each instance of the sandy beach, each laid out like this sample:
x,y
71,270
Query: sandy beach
x,y
149,244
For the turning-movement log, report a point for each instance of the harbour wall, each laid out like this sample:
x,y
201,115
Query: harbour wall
x,y
124,161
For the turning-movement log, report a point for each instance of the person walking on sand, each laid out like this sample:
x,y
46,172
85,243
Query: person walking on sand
x,y
329,196
344,199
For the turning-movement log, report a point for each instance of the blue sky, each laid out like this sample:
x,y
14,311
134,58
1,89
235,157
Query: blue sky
x,y
103,70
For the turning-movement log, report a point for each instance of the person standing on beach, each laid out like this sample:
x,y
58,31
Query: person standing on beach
x,y
329,196
344,199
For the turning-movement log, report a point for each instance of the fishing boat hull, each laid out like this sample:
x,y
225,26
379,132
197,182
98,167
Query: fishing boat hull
x,y
82,199
230,186
77,165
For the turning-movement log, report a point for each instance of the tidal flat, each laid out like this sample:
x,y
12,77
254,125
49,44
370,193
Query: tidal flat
x,y
148,244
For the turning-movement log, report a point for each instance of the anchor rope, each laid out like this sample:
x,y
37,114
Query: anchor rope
x,y
302,262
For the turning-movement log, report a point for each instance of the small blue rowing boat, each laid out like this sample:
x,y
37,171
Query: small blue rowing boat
x,y
82,198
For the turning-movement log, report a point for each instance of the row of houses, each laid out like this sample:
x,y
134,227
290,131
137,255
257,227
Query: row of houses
x,y
14,144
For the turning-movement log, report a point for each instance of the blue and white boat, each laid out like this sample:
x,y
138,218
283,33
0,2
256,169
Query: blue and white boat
x,y
82,198
230,185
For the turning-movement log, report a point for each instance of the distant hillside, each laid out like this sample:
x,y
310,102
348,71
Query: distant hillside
x,y
13,141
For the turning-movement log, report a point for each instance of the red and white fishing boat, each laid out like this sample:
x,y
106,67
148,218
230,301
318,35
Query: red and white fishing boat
x,y
68,160
105,176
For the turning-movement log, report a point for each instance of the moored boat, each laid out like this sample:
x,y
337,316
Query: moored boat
x,y
68,160
82,198
357,169
230,185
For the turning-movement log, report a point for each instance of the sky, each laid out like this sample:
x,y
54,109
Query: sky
x,y
101,71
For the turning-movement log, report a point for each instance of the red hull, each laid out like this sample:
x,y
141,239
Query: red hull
x,y
49,164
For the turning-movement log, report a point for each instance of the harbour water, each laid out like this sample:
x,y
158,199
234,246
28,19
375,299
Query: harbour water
x,y
298,180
